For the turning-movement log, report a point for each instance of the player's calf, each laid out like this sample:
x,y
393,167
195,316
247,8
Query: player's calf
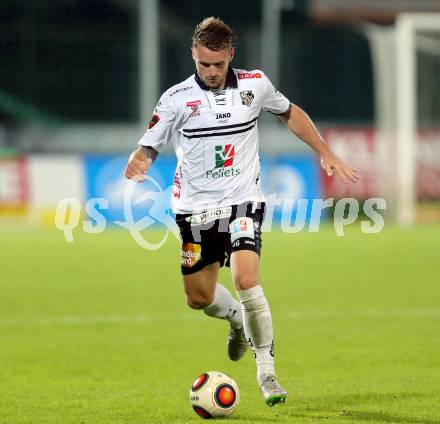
x,y
224,306
237,343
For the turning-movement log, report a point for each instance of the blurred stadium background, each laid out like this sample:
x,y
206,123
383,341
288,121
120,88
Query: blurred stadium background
x,y
79,80
97,331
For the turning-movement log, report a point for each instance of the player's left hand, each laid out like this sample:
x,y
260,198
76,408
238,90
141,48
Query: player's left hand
x,y
330,162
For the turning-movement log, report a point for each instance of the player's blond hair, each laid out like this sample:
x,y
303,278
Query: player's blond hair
x,y
214,34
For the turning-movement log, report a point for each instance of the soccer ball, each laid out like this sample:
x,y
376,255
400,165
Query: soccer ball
x,y
214,394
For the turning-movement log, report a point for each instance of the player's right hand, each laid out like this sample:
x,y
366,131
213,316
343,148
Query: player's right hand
x,y
136,170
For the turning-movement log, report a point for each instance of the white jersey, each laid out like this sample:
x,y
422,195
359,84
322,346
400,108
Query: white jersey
x,y
215,137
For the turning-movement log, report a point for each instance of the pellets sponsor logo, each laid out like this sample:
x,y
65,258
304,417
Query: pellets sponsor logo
x,y
224,161
249,75
224,155
191,254
221,172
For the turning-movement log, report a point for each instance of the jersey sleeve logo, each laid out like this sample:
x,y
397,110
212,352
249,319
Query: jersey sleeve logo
x,y
153,121
247,97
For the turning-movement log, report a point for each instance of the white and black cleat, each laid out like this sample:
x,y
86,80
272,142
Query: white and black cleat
x,y
272,392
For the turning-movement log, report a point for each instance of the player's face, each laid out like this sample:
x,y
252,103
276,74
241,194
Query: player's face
x,y
212,66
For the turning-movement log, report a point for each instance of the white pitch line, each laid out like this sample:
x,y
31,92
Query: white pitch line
x,y
366,313
93,319
308,314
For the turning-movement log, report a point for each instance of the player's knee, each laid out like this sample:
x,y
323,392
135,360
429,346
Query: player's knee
x,y
245,281
197,301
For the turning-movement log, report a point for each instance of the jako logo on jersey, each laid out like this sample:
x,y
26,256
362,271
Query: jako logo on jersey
x,y
224,157
249,75
194,105
222,115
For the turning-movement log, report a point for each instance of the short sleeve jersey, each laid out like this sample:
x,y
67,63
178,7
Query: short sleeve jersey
x,y
215,137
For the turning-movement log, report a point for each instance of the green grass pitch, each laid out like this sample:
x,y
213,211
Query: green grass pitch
x,y
97,331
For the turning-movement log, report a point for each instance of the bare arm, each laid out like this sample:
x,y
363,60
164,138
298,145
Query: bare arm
x,y
302,126
139,163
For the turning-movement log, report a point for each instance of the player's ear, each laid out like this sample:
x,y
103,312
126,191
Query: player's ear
x,y
193,53
231,54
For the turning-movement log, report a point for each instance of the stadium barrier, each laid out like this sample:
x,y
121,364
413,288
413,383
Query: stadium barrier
x,y
31,186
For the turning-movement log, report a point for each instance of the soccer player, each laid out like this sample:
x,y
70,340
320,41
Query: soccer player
x,y
211,119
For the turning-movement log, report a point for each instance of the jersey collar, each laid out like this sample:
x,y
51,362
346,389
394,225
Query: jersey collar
x,y
231,80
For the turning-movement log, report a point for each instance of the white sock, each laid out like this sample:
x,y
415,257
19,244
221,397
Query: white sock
x,y
224,306
258,327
